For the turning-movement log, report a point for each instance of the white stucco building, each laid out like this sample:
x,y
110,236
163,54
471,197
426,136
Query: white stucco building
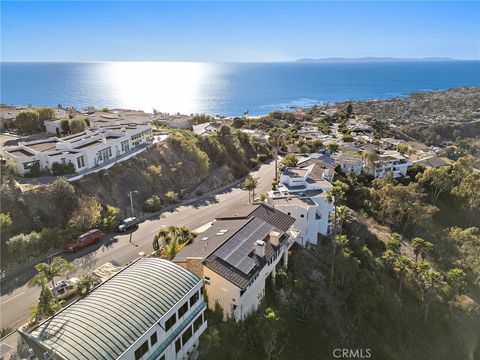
x,y
206,128
302,194
237,254
152,309
390,161
349,163
84,150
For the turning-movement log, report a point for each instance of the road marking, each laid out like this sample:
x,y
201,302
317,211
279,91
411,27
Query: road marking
x,y
4,302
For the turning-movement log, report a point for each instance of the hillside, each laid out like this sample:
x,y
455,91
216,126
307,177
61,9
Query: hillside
x,y
183,165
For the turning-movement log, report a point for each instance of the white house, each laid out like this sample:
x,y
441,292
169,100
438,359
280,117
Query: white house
x,y
350,163
302,194
85,150
206,128
390,161
237,254
177,121
152,309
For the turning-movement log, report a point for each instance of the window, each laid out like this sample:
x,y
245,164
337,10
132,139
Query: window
x,y
187,334
302,216
105,154
194,298
178,345
197,323
125,145
183,309
170,322
207,280
153,339
81,162
142,350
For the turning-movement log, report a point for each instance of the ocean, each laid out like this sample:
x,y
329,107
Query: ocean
x,y
224,88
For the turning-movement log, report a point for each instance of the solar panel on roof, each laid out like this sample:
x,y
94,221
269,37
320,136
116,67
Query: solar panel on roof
x,y
237,249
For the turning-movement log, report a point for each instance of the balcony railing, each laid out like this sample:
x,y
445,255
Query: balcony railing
x,y
178,330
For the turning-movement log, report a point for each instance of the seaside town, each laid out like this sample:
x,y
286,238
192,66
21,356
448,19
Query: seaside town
x,y
191,236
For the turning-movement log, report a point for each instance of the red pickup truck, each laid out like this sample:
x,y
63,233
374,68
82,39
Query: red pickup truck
x,y
86,239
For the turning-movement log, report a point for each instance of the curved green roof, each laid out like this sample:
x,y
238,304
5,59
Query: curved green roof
x,y
106,322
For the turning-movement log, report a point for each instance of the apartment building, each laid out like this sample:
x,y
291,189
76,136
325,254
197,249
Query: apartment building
x,y
302,194
152,309
84,150
237,254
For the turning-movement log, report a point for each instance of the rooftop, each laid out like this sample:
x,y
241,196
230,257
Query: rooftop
x,y
20,152
43,146
107,321
209,240
292,200
296,172
227,245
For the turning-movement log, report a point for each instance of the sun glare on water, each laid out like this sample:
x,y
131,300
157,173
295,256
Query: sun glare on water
x,y
166,86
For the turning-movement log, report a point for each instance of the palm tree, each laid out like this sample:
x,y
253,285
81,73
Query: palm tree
x,y
85,285
168,240
290,160
275,141
403,264
171,249
212,338
421,247
160,240
47,272
334,195
344,216
431,281
251,184
456,279
47,305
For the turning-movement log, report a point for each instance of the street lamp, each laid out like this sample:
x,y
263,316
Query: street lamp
x,y
131,200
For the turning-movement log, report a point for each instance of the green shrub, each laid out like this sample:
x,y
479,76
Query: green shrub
x,y
171,196
34,171
62,169
262,157
253,162
153,204
347,138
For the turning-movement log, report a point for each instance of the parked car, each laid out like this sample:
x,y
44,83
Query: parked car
x,y
65,288
91,237
127,224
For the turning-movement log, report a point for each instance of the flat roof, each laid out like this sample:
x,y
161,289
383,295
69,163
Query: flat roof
x,y
20,152
293,200
43,146
111,318
296,172
89,144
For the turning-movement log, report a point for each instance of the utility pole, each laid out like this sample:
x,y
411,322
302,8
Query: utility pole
x,y
131,200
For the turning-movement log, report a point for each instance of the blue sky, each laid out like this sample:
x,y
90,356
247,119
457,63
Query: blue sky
x,y
236,31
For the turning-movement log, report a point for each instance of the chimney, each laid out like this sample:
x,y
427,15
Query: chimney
x,y
259,248
274,238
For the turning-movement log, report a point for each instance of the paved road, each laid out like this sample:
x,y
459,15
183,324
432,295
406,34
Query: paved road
x,y
16,304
